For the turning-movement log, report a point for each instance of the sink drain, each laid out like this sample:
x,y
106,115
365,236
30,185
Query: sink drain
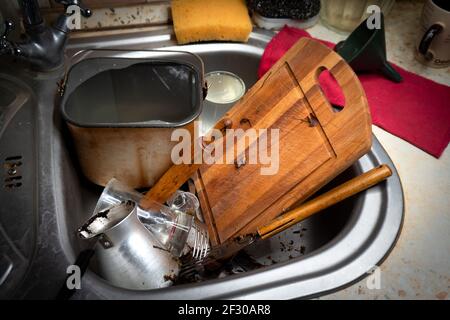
x,y
13,179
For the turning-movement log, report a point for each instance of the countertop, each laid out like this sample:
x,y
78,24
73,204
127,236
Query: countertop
x,y
419,265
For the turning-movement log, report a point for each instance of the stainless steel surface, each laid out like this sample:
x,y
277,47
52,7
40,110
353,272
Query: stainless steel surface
x,y
200,240
123,106
18,171
139,89
169,225
328,252
129,256
43,46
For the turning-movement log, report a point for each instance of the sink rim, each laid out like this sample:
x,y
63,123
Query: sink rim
x,y
351,259
22,94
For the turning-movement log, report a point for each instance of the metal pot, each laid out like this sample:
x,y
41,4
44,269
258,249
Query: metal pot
x,y
122,107
127,254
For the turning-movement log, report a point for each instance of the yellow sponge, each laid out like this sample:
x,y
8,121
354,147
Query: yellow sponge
x,y
207,20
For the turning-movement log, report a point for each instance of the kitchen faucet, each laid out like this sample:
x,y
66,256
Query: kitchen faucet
x,y
41,45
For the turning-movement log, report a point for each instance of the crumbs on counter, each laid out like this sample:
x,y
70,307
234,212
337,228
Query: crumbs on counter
x,y
123,16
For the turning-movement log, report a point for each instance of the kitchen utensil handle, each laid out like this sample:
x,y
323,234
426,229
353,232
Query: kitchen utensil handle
x,y
326,200
168,184
178,174
428,37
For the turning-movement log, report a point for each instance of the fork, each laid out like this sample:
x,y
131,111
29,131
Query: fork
x,y
200,246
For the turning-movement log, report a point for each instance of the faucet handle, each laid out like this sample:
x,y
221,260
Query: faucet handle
x,y
9,26
85,12
5,44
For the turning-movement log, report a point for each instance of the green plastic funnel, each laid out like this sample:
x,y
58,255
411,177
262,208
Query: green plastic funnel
x,y
365,51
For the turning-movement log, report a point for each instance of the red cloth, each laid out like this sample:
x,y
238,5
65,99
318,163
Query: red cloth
x,y
416,110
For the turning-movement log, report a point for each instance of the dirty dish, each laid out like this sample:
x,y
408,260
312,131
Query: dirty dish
x,y
169,225
127,254
122,107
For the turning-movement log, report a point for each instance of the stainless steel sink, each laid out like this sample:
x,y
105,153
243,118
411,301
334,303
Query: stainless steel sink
x,y
324,253
18,181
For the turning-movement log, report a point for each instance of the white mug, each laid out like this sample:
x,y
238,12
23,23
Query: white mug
x,y
433,49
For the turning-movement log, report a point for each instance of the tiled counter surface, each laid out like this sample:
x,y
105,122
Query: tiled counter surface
x,y
419,265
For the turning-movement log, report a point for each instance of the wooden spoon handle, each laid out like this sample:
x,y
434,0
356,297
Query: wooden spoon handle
x,y
176,175
168,184
326,200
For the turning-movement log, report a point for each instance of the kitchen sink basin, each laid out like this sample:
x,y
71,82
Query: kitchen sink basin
x,y
18,180
322,254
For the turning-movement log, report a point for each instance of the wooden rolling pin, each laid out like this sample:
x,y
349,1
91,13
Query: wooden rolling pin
x,y
342,192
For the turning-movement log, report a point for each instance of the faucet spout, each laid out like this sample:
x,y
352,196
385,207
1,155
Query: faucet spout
x,y
42,46
36,50
31,12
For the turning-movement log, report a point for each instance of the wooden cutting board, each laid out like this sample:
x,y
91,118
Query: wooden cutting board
x,y
316,143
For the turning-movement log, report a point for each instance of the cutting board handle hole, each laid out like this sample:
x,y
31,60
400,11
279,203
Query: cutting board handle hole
x,y
331,90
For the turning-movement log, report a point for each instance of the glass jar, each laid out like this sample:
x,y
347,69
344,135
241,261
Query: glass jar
x,y
346,15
